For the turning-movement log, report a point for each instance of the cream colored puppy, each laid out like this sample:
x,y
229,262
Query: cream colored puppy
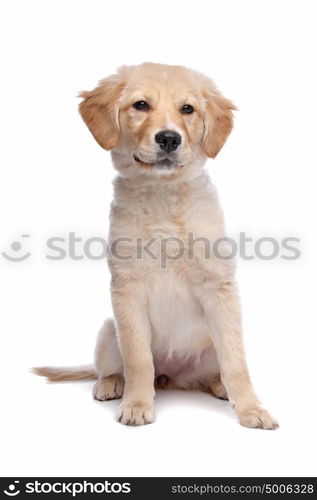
x,y
176,304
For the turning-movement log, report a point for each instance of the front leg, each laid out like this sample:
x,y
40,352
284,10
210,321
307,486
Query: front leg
x,y
221,306
134,334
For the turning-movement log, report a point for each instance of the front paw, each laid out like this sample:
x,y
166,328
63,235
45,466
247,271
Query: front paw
x,y
136,413
256,417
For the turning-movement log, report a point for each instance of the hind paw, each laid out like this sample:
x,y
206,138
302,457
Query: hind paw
x,y
109,388
218,389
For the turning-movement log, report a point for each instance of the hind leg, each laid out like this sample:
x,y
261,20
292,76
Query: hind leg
x,y
211,384
109,364
218,389
204,376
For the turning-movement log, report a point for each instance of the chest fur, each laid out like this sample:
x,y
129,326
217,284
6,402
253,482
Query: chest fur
x,y
159,227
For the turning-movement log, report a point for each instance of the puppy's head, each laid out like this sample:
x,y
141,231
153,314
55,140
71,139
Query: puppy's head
x,y
158,118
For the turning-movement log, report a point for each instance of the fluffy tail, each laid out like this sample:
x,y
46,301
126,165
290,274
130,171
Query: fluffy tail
x,y
66,373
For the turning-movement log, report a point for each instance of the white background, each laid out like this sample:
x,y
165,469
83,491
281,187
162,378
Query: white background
x,y
56,179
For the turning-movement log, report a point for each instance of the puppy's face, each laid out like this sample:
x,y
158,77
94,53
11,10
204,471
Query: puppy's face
x,y
158,118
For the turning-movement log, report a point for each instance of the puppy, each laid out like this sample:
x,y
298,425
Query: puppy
x,y
176,305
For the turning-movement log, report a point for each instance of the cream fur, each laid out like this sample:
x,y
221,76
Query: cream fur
x,y
177,325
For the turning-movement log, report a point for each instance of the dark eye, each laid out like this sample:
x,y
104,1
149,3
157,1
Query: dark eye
x,y
187,109
141,106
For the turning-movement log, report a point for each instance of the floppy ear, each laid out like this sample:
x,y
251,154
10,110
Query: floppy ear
x,y
218,121
100,111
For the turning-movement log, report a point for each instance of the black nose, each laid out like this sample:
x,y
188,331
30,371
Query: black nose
x,y
168,140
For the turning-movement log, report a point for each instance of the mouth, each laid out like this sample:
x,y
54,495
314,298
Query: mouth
x,y
165,163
